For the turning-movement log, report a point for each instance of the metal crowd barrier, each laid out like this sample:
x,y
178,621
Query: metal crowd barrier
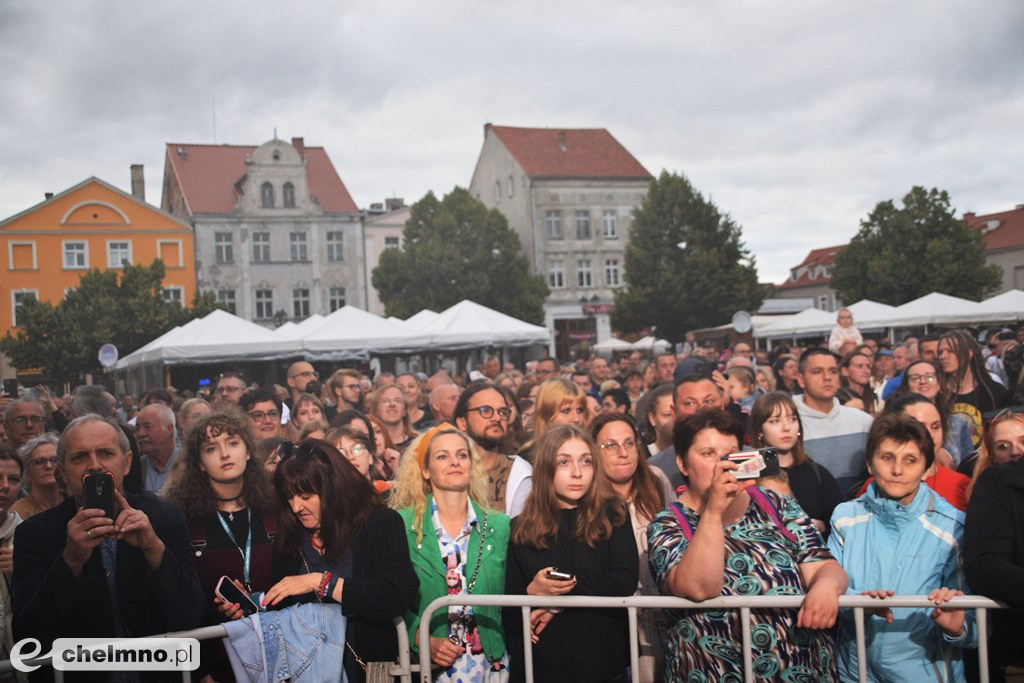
x,y
403,668
744,604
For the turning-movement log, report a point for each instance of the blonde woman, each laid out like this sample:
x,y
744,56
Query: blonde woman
x,y
458,546
559,401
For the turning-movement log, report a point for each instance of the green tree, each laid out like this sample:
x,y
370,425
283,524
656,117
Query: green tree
x,y
901,254
456,249
128,311
686,265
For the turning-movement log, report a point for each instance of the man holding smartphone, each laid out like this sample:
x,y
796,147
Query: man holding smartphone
x,y
80,573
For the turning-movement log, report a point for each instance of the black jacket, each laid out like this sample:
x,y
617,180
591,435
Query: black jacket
x,y
382,587
578,644
50,602
994,554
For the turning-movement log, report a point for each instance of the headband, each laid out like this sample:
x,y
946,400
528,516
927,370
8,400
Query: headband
x,y
424,445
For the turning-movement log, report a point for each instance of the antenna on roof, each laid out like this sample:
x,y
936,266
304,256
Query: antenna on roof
x,y
215,119
275,132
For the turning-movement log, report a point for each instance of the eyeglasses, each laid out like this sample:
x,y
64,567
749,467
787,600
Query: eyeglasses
x,y
356,451
611,446
486,412
926,378
229,389
42,460
305,373
305,449
260,416
26,419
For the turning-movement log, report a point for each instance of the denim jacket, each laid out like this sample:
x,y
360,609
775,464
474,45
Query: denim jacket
x,y
299,643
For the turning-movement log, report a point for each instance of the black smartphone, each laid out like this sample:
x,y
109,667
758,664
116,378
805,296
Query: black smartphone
x,y
98,492
558,575
705,369
11,387
228,591
762,462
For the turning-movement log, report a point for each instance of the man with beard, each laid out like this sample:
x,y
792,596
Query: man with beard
x,y
483,414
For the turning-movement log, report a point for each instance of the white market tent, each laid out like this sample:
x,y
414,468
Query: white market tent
x,y
351,332
292,330
930,309
468,325
218,337
1005,307
810,321
612,345
649,343
424,317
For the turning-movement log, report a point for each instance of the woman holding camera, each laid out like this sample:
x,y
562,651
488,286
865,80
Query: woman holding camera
x,y
724,539
573,537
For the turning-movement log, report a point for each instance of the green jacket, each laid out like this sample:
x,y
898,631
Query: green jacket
x,y
426,561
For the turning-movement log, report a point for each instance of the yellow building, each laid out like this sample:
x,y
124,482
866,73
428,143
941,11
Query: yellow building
x,y
47,248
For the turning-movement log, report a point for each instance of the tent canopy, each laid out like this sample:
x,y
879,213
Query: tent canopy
x,y
468,324
930,309
351,332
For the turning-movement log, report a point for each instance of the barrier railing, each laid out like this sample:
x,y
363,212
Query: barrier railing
x,y
403,669
744,604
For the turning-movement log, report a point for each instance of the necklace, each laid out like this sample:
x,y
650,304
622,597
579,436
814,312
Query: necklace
x,y
229,500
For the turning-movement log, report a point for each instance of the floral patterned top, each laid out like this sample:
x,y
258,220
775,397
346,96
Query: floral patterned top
x,y
706,645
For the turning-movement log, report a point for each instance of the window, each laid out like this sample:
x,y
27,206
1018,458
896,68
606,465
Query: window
x,y
223,247
583,225
21,256
174,295
336,298
260,247
118,254
584,273
497,190
76,255
300,302
298,244
511,186
335,246
226,298
391,243
264,304
267,196
611,272
823,302
288,195
609,218
17,299
556,274
171,253
554,220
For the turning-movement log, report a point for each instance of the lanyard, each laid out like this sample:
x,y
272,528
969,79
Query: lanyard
x,y
247,553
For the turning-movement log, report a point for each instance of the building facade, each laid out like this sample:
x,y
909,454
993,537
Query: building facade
x,y
810,282
384,227
570,195
277,235
1003,233
49,246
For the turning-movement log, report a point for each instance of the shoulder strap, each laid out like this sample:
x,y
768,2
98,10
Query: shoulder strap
x,y
270,525
684,522
766,504
198,534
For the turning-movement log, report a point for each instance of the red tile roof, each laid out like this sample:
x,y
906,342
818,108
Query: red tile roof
x,y
1003,230
569,152
826,256
207,175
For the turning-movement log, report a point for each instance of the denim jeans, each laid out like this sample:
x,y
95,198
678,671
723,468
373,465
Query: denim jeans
x,y
300,643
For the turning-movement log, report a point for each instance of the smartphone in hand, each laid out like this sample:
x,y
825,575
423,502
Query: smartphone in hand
x,y
229,592
98,492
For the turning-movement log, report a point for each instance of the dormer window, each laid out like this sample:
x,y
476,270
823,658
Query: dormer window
x,y
267,195
288,195
276,156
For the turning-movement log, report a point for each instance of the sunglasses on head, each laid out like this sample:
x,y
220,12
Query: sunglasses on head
x,y
306,449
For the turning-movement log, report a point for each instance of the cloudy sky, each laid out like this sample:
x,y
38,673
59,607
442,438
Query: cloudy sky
x,y
795,117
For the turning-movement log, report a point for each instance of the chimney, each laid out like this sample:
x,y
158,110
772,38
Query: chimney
x,y
969,214
300,145
47,196
138,182
394,203
561,141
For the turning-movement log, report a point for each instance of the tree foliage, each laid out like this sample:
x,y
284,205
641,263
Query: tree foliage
x,y
678,289
129,311
456,249
901,254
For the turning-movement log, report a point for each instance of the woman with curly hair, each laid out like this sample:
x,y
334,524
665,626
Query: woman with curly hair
x,y
573,522
966,384
225,495
458,547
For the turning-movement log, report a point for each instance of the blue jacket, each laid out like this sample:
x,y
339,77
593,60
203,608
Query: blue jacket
x,y
910,550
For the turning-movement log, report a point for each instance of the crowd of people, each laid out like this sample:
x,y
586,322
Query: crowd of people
x,y
324,511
